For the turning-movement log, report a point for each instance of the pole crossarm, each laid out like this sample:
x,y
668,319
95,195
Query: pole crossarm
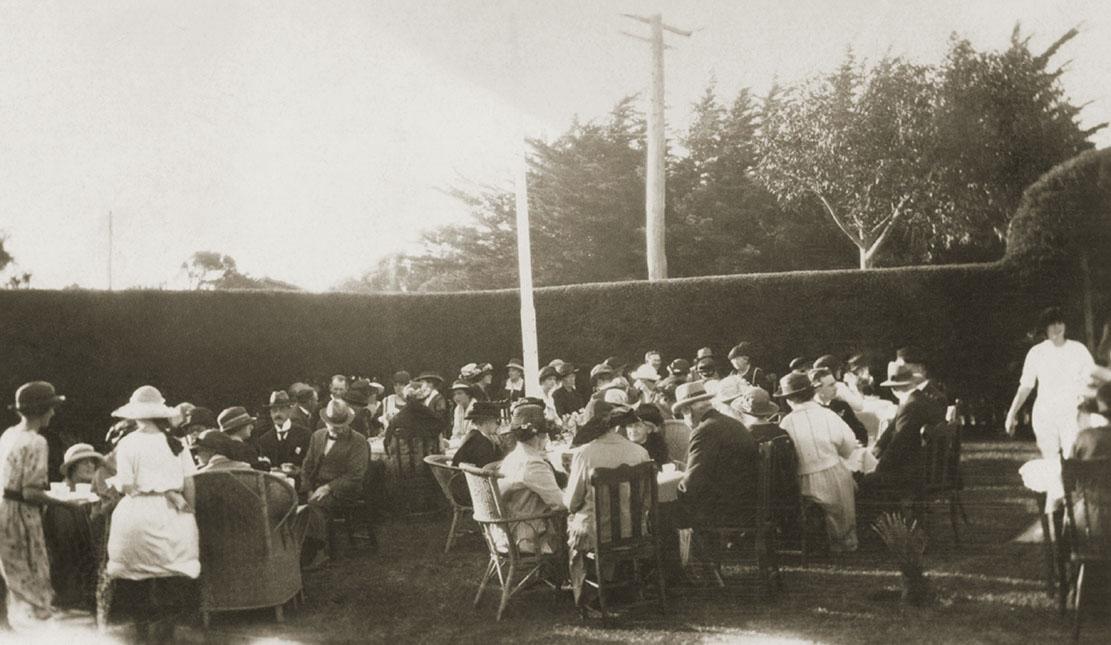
x,y
648,20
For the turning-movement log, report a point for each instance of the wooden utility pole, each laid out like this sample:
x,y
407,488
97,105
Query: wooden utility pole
x,y
655,164
109,250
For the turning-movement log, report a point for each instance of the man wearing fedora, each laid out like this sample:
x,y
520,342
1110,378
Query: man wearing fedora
x,y
236,423
287,441
357,397
333,472
719,484
480,445
900,449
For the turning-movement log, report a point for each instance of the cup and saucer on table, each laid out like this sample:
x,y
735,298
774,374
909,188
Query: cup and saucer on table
x,y
80,493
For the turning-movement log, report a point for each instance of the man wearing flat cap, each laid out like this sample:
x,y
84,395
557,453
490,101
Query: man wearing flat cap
x,y
287,441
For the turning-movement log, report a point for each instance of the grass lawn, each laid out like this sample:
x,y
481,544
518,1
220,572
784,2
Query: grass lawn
x,y
990,590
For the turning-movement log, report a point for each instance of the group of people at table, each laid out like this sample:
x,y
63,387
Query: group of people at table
x,y
135,502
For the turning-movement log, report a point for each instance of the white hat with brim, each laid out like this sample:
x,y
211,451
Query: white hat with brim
x,y
645,373
688,394
145,403
730,388
78,452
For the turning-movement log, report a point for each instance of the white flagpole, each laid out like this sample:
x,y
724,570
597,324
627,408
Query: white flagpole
x,y
524,245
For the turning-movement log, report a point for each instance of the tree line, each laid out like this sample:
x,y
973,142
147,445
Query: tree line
x,y
882,163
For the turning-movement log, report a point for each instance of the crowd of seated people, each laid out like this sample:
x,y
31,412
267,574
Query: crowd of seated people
x,y
338,452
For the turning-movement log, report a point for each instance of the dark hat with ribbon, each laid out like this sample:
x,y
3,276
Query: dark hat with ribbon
x,y
794,383
358,393
36,394
679,366
483,410
233,418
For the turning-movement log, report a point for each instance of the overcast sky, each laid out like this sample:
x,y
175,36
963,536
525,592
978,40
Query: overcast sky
x,y
307,139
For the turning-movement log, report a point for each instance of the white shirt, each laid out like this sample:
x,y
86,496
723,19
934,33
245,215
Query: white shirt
x,y
821,438
850,396
1060,373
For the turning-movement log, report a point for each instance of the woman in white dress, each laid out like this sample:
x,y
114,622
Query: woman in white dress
x,y
822,443
153,554
1059,368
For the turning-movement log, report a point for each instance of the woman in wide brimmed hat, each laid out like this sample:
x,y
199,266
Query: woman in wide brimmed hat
x,y
514,387
24,562
153,550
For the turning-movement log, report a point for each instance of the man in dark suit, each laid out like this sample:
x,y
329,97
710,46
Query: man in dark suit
x,y
900,450
306,402
825,393
719,485
333,472
287,441
480,445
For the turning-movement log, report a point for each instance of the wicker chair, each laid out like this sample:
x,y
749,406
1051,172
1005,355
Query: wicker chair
x,y
632,536
1088,507
500,532
760,532
409,481
446,476
250,553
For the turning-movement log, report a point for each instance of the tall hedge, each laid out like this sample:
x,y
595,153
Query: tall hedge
x,y
225,348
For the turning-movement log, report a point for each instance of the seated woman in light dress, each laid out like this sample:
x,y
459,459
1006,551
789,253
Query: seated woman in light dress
x,y
528,483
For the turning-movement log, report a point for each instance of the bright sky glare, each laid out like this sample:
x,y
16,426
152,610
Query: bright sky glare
x,y
308,139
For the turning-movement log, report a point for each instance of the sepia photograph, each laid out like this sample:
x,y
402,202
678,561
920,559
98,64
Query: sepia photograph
x,y
563,321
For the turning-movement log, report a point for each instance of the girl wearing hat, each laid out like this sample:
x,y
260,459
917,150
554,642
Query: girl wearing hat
x,y
72,534
514,387
153,552
23,556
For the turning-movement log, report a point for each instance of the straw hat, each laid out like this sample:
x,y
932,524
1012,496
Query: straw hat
x,y
756,402
76,453
145,403
645,373
689,393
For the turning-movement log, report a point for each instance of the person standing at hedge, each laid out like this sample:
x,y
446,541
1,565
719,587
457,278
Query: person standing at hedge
x,y
1059,368
24,562
153,550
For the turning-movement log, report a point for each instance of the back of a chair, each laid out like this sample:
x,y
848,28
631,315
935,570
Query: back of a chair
x,y
406,456
677,435
447,477
1088,504
766,475
249,550
781,464
941,463
489,509
625,504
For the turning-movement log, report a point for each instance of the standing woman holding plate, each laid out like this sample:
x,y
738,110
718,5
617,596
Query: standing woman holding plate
x,y
24,562
153,554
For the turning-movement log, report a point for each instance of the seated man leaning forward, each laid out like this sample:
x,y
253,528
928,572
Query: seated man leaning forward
x,y
333,470
603,447
213,449
528,481
720,482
